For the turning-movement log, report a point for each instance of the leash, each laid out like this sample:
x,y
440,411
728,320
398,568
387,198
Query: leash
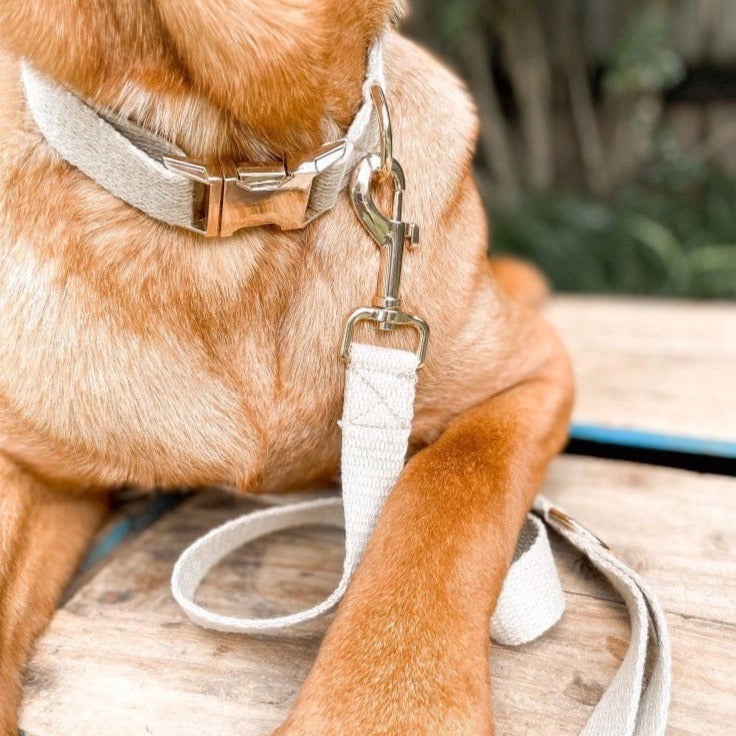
x,y
155,176
377,414
376,422
631,705
378,408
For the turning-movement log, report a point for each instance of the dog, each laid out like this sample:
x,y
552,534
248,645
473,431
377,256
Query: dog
x,y
137,353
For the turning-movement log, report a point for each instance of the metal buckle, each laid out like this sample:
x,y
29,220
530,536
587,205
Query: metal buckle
x,y
236,196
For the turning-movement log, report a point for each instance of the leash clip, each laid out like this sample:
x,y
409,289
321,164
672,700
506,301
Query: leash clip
x,y
391,235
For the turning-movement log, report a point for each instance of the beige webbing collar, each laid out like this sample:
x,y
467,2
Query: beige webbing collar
x,y
211,198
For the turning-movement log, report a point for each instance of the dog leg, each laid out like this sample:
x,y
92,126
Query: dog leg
x,y
408,650
43,533
520,280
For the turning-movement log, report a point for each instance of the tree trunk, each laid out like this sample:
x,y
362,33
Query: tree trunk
x,y
583,112
520,29
494,135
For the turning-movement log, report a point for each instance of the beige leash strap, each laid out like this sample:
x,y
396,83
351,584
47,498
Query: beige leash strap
x,y
633,704
377,416
377,413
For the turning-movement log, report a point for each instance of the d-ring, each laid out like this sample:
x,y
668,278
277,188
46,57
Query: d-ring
x,y
384,129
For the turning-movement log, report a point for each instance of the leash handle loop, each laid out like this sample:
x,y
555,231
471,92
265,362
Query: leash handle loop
x,y
376,421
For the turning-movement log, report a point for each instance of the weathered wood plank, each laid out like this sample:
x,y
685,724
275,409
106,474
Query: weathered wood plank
x,y
662,366
673,527
97,677
119,658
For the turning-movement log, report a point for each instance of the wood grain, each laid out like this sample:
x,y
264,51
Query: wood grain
x,y
120,659
662,366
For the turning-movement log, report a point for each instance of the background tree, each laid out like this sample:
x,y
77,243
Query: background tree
x,y
607,150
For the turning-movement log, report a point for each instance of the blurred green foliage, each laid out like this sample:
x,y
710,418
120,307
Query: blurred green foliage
x,y
629,211
670,233
642,59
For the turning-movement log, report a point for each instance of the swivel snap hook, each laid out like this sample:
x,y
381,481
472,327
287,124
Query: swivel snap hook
x,y
391,234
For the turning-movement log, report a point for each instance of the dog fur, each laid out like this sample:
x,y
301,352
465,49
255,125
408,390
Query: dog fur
x,y
133,353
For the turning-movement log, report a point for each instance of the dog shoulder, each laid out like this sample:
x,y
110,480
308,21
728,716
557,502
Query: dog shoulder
x,y
434,119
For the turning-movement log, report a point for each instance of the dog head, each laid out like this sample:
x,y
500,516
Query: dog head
x,y
230,72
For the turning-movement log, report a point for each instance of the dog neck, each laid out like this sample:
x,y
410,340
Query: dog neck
x,y
191,121
222,80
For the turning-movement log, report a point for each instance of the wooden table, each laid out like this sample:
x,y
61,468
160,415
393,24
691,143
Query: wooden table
x,y
652,374
120,659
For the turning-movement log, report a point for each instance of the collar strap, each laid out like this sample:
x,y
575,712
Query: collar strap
x,y
213,198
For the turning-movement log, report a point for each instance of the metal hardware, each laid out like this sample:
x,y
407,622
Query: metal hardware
x,y
576,527
391,235
384,129
235,196
386,319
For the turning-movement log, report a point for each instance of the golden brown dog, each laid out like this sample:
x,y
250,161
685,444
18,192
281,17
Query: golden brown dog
x,y
132,352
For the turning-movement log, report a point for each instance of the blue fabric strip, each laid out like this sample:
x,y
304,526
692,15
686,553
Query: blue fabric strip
x,y
153,511
652,440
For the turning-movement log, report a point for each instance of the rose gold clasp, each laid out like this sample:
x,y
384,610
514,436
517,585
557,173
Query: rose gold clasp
x,y
234,196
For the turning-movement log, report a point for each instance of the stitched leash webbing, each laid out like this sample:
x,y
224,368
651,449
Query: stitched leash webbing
x,y
377,414
628,707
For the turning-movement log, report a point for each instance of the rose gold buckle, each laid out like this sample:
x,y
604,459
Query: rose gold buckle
x,y
236,196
